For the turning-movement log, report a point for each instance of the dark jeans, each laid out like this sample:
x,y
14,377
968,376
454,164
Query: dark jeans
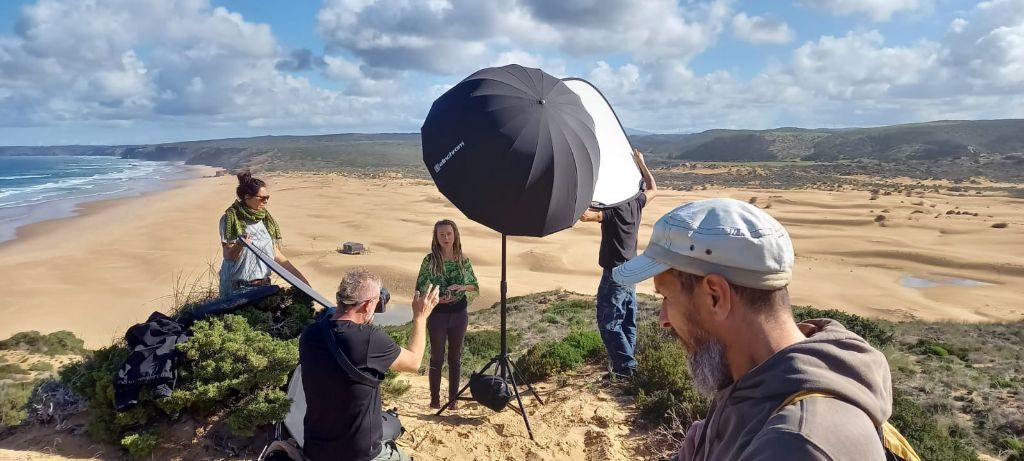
x,y
446,326
616,321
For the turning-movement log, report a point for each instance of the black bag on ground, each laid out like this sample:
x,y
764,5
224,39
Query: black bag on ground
x,y
492,391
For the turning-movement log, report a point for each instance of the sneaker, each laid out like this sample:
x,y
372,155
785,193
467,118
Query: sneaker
x,y
613,376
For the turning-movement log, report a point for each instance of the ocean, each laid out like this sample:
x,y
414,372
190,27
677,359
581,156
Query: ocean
x,y
34,189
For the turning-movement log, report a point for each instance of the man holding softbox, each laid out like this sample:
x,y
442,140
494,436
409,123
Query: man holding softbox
x,y
343,361
616,302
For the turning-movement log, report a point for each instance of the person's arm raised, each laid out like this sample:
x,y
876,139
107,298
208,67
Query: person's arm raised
x,y
650,186
409,360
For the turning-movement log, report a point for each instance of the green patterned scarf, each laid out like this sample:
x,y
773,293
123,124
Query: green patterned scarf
x,y
237,215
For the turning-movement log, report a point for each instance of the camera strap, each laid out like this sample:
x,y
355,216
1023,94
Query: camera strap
x,y
353,373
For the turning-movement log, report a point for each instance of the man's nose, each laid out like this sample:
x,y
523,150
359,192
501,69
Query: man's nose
x,y
663,315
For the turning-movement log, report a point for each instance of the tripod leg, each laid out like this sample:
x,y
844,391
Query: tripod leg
x,y
461,391
519,400
512,366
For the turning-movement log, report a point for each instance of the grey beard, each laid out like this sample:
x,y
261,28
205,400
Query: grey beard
x,y
709,368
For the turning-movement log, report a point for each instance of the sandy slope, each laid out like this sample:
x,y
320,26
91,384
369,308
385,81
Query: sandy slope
x,y
99,273
578,420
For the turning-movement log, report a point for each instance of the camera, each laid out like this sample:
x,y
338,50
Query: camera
x,y
382,305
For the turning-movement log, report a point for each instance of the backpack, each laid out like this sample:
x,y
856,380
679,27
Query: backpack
x,y
897,448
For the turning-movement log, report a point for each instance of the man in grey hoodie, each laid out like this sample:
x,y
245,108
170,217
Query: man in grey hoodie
x,y
723,267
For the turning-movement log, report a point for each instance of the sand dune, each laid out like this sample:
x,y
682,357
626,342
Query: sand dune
x,y
98,273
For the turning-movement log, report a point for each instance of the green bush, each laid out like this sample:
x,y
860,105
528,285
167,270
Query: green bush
x,y
940,349
392,387
57,343
877,332
283,315
1013,448
226,359
661,381
587,342
13,397
924,434
93,379
571,312
10,370
41,366
139,445
549,358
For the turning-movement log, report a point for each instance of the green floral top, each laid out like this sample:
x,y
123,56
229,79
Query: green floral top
x,y
452,276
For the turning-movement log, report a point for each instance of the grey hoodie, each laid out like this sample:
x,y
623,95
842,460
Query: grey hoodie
x,y
831,360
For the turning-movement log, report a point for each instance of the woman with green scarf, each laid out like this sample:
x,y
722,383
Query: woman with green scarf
x,y
249,220
446,267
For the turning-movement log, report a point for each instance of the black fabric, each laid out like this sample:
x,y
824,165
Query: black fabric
x,y
451,308
343,416
619,227
514,149
491,391
226,304
152,362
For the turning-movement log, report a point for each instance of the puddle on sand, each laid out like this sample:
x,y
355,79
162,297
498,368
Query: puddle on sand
x,y
934,281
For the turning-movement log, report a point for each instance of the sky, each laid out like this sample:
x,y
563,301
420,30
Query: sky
x,y
150,71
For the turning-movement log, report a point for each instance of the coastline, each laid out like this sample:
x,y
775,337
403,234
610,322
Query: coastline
x,y
71,207
109,267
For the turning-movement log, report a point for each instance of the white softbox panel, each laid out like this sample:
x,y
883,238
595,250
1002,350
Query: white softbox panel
x,y
618,179
297,412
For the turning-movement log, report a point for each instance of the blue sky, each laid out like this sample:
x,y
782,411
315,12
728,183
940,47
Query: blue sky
x,y
146,71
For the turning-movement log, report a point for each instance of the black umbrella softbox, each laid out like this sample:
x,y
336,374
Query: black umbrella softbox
x,y
514,149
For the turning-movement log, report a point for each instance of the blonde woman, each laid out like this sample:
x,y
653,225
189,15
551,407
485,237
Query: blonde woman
x,y
446,267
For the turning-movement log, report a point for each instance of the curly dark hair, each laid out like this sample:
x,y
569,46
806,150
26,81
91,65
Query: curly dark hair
x,y
248,186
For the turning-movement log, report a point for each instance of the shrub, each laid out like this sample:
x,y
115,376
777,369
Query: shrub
x,y
41,366
587,342
93,379
570,312
549,358
139,445
925,435
392,387
878,333
1013,449
9,370
13,397
661,381
226,360
56,343
940,349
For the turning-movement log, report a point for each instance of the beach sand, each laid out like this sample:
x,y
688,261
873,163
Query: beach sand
x,y
98,273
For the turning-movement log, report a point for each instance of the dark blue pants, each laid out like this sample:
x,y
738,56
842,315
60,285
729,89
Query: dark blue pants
x,y
616,321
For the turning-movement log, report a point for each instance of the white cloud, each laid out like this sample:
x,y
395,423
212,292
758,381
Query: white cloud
x,y
877,10
757,29
459,36
179,61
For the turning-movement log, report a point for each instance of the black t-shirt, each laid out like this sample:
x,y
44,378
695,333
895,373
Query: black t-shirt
x,y
619,226
343,418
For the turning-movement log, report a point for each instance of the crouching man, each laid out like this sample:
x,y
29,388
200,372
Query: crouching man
x,y
343,362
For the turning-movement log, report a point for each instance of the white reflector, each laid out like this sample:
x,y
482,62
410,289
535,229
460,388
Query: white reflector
x,y
297,412
618,179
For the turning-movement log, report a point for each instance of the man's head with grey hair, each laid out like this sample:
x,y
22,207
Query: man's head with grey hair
x,y
358,286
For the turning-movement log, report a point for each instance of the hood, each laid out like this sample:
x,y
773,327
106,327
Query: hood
x,y
833,360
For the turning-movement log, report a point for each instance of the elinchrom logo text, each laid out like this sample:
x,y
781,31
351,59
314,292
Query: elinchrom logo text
x,y
439,165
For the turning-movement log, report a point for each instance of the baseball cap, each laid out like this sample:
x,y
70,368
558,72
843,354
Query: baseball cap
x,y
723,236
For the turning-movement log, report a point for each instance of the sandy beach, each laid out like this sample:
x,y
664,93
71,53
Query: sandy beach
x,y
100,272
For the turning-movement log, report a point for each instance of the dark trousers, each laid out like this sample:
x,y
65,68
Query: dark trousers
x,y
447,324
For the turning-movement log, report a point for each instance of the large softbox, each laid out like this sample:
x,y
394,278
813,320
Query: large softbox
x,y
514,149
618,179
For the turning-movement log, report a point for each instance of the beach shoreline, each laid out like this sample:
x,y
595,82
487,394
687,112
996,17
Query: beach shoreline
x,y
109,267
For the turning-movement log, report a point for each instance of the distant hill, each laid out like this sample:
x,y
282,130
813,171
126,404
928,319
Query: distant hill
x,y
922,141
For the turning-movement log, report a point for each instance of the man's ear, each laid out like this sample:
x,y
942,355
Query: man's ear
x,y
717,288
